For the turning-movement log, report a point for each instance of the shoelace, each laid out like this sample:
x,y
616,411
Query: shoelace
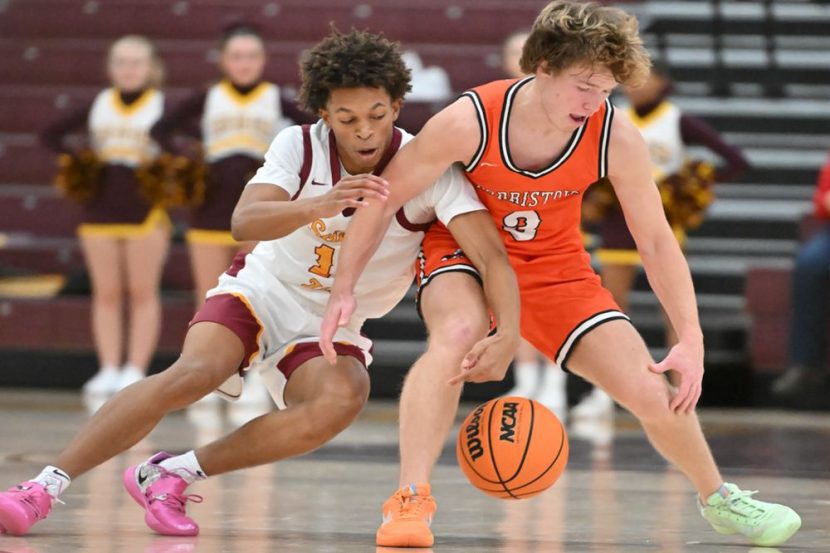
x,y
738,503
411,504
175,501
29,500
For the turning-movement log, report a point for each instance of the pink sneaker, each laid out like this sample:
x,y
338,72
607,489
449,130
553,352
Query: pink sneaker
x,y
22,506
161,493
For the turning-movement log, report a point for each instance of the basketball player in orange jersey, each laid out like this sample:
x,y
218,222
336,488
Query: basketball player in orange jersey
x,y
531,147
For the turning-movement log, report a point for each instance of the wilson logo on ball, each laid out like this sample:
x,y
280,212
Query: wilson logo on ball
x,y
473,441
508,422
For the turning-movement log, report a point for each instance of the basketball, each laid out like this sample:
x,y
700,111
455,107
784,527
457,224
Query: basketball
x,y
512,448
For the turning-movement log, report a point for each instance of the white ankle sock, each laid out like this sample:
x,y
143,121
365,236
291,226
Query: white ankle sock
x,y
109,369
54,480
187,466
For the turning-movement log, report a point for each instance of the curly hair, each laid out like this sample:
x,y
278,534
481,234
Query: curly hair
x,y
356,59
568,33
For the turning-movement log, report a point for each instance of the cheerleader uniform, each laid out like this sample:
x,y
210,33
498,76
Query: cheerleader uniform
x,y
237,124
119,134
667,131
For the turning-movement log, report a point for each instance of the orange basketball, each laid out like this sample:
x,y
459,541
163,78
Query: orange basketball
x,y
512,448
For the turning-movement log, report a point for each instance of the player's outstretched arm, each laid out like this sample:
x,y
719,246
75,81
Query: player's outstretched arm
x,y
478,237
450,136
668,273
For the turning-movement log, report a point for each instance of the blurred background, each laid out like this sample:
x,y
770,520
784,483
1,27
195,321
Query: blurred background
x,y
756,71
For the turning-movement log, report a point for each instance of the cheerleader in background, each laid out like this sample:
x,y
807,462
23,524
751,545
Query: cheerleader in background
x,y
684,183
123,235
239,117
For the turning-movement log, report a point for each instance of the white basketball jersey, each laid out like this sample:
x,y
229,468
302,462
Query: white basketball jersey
x,y
306,260
234,123
661,131
120,132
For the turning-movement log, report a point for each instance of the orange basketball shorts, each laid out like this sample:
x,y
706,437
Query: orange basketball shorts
x,y
562,297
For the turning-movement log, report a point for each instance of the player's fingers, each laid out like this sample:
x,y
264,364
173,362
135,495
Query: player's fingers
x,y
346,312
371,182
459,378
469,360
327,330
686,406
682,394
698,393
658,367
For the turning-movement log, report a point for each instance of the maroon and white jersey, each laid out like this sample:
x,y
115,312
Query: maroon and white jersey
x,y
306,260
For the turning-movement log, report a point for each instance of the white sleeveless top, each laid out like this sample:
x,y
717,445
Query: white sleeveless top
x,y
661,131
234,123
306,259
121,133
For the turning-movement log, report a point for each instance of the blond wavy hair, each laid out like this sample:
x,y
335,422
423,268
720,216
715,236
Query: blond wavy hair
x,y
568,33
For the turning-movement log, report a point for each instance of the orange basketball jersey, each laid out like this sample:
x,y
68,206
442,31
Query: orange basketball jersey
x,y
538,212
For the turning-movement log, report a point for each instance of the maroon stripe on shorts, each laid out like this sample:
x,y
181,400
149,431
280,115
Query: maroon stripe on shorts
x,y
237,264
309,350
231,312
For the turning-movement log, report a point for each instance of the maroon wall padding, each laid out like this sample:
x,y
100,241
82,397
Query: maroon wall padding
x,y
64,324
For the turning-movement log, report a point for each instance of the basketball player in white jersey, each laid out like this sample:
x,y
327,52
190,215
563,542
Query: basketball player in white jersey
x,y
266,311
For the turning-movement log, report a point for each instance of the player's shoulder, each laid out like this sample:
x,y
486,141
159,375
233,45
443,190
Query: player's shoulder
x,y
624,133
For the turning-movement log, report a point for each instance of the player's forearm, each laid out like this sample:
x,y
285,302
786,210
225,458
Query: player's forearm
x,y
269,220
669,277
363,237
501,289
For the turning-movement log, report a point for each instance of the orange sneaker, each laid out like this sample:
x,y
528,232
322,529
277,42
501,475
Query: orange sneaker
x,y
407,516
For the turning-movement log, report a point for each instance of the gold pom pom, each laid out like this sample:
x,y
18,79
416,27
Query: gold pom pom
x,y
687,193
173,181
79,175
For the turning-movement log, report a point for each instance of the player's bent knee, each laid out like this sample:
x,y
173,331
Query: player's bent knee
x,y
650,402
459,332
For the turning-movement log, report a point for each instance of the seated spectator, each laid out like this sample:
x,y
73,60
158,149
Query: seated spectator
x,y
808,331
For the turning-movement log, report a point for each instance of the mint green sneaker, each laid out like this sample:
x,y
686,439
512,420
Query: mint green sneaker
x,y
765,524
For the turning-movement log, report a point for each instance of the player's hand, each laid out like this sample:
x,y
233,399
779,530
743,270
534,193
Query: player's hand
x,y
684,365
488,360
353,191
339,310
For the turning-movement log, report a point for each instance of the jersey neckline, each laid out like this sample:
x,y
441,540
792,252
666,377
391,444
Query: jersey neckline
x,y
504,145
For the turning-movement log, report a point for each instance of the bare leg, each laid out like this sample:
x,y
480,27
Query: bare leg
x,y
526,353
207,262
614,357
322,401
145,260
619,280
456,317
103,258
210,355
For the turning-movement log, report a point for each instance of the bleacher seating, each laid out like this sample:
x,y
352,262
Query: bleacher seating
x,y
53,60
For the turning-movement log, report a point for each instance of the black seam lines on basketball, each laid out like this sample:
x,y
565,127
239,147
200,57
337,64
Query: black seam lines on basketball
x,y
527,443
469,461
492,455
544,472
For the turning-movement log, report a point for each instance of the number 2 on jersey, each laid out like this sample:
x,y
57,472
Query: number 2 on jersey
x,y
522,225
325,259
